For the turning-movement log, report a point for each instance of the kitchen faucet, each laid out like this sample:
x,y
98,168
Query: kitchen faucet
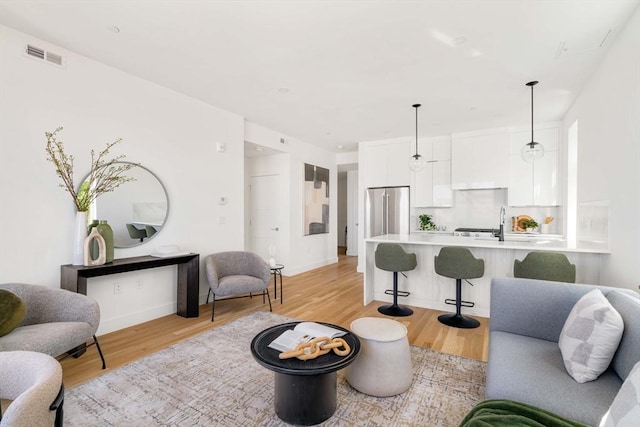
x,y
500,233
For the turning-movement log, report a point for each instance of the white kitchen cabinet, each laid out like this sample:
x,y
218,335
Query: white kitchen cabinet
x,y
431,187
398,172
480,160
442,193
534,183
376,166
388,164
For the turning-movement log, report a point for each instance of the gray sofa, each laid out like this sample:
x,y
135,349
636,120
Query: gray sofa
x,y
525,363
57,321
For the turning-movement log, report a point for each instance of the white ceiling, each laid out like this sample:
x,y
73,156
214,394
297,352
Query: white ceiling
x,y
338,72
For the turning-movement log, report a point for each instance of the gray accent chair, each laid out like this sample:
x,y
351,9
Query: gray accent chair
x,y
234,273
525,363
458,263
57,321
150,230
136,233
553,266
33,382
392,257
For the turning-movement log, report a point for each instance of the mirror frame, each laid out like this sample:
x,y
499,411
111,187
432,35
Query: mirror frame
x,y
133,244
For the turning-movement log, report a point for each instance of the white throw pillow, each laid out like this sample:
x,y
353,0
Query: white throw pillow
x,y
590,337
625,409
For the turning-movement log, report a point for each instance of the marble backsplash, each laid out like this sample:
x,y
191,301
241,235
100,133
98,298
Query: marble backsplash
x,y
481,209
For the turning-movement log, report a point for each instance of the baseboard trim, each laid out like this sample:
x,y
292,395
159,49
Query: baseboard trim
x,y
117,323
304,268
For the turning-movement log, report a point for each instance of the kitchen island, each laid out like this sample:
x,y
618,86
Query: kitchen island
x,y
429,290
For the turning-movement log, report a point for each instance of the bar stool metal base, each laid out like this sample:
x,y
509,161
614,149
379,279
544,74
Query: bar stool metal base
x,y
395,310
458,321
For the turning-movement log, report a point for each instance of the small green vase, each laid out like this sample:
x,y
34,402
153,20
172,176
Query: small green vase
x,y
107,234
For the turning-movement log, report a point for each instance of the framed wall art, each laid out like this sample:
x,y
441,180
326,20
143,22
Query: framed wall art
x,y
316,200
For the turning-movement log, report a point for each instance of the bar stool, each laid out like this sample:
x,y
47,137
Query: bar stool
x,y
545,266
391,257
383,367
458,263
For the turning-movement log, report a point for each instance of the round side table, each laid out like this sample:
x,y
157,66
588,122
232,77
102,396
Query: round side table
x,y
277,271
305,391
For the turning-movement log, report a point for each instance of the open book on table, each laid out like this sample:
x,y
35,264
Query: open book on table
x,y
303,333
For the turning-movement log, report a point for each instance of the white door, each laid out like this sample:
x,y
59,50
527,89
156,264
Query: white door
x,y
265,215
352,213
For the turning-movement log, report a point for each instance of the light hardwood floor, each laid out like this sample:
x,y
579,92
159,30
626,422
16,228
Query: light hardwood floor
x,y
330,294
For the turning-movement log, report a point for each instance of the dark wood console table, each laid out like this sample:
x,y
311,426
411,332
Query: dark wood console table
x,y
74,277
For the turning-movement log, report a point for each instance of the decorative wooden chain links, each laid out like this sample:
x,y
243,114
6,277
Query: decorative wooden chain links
x,y
317,347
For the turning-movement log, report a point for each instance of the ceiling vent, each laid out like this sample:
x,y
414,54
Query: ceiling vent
x,y
44,55
584,45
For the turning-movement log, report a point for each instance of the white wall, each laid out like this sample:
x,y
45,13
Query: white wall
x,y
172,135
305,252
608,115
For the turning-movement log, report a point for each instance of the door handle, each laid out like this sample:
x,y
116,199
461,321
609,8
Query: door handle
x,y
276,229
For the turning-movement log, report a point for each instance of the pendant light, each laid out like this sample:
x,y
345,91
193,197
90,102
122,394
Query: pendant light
x,y
416,162
532,150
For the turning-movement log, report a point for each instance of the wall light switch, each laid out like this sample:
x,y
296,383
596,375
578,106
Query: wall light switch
x,y
220,147
222,200
222,220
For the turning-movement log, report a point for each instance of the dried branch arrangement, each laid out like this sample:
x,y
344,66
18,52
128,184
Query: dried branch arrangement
x,y
104,176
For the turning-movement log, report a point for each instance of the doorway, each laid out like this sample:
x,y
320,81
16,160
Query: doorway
x,y
265,217
348,209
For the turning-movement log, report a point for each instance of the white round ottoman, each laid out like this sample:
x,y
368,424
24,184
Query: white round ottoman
x,y
383,367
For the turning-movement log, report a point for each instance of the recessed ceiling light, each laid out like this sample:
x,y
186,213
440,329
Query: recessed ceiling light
x,y
459,41
113,28
283,90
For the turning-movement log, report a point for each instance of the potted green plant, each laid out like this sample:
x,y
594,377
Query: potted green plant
x,y
530,225
426,223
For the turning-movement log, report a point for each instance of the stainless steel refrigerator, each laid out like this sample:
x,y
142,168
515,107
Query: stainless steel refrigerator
x,y
387,211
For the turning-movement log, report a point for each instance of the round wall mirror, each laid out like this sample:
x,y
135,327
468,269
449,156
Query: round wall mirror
x,y
136,211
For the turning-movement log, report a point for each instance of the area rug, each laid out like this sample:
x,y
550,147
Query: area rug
x,y
212,380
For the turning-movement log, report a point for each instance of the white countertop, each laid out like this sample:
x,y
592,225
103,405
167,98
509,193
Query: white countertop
x,y
524,242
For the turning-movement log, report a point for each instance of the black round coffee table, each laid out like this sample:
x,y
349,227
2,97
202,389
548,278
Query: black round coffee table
x,y
304,390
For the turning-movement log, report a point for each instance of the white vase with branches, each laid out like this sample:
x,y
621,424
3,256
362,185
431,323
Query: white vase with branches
x,y
104,176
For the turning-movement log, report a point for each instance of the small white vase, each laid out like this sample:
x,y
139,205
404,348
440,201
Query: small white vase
x,y
88,261
79,235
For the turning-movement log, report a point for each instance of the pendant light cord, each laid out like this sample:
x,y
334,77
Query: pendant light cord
x,y
416,106
531,85
532,113
416,130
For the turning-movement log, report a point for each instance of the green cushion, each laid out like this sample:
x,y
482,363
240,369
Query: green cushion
x,y
508,413
458,263
554,266
12,311
391,257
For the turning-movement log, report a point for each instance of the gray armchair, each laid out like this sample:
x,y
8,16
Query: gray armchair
x,y
33,381
57,321
235,273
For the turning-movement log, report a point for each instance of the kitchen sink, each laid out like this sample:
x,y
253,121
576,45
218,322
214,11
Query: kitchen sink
x,y
506,239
